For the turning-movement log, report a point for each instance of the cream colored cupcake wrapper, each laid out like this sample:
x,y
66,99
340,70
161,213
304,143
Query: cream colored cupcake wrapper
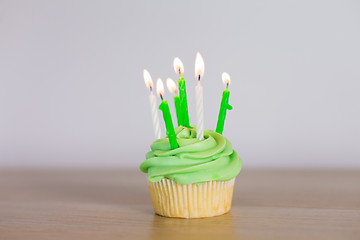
x,y
209,199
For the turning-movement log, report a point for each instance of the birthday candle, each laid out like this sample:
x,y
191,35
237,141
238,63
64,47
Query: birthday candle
x,y
179,68
199,72
173,89
164,107
153,105
224,106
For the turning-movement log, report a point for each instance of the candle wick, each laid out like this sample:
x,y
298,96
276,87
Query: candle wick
x,y
150,88
179,72
227,85
161,97
199,78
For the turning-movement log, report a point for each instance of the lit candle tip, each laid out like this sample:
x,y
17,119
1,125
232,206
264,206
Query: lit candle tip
x,y
148,79
226,78
160,87
199,66
171,85
178,66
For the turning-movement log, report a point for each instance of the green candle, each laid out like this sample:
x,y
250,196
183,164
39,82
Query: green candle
x,y
183,103
224,106
164,107
179,68
178,110
173,89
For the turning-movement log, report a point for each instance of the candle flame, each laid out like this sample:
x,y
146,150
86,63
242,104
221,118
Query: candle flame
x,y
160,87
171,85
178,66
147,79
226,78
199,65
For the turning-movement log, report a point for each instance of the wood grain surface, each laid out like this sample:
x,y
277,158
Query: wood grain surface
x,y
273,204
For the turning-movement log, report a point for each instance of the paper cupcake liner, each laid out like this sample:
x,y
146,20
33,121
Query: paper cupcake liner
x,y
209,199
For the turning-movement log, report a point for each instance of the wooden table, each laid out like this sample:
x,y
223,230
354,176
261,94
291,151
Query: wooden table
x,y
284,204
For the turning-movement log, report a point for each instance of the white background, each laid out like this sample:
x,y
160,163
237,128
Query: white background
x,y
72,93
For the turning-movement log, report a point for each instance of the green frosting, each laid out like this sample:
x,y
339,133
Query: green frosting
x,y
194,161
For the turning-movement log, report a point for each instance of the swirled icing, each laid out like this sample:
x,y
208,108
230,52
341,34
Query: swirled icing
x,y
211,159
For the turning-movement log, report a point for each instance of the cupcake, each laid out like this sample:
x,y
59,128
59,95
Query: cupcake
x,y
195,180
191,172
